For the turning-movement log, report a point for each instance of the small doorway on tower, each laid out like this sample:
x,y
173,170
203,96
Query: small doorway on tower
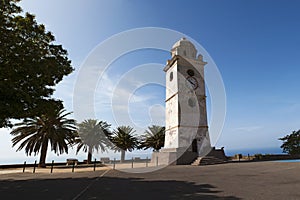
x,y
194,146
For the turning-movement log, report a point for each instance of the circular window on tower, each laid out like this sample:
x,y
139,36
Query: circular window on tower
x,y
192,102
190,72
171,76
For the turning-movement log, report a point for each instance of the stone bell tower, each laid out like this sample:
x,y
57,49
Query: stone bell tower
x,y
186,136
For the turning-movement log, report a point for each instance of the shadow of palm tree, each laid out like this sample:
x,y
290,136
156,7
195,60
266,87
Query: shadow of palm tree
x,y
137,188
107,188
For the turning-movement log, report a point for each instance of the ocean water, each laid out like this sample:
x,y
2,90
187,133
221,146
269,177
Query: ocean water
x,y
288,161
269,150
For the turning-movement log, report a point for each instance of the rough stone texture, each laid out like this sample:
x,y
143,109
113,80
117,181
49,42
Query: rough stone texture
x,y
174,156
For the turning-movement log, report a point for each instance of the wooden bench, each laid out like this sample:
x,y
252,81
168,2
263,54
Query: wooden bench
x,y
137,158
72,161
105,160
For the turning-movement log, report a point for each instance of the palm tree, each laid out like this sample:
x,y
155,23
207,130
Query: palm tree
x,y
36,133
154,138
93,135
124,140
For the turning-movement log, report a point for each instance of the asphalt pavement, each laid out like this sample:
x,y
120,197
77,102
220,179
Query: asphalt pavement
x,y
248,180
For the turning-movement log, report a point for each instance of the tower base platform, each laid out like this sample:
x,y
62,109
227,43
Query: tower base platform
x,y
181,156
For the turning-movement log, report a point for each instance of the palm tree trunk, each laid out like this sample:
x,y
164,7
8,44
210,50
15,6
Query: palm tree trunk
x,y
89,158
122,155
43,155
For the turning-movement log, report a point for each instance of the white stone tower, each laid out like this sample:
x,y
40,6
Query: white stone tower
x,y
186,117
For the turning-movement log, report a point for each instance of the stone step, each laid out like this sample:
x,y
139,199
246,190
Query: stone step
x,y
207,160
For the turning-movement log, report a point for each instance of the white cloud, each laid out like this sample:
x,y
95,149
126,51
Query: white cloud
x,y
248,128
122,99
139,98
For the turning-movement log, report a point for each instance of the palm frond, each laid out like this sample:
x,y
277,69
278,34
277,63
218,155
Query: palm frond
x,y
52,127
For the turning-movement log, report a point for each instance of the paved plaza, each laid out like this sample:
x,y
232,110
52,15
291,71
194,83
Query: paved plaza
x,y
245,180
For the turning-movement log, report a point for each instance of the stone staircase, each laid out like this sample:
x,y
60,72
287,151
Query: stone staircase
x,y
208,160
215,156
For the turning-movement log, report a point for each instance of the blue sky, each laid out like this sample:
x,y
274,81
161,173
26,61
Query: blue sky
x,y
255,44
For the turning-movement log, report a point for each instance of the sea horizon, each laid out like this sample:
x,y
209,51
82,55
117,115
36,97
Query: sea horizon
x,y
130,155
253,151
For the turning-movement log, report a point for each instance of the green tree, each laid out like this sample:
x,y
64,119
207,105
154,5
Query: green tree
x,y
154,138
30,65
124,140
291,143
36,133
93,135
